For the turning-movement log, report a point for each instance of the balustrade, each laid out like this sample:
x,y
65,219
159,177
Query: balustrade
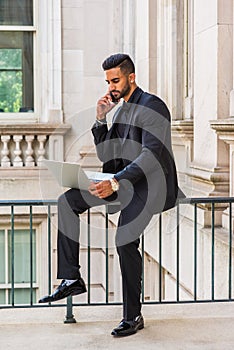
x,y
22,150
28,145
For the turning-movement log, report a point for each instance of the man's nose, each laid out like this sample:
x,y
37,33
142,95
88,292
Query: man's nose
x,y
112,86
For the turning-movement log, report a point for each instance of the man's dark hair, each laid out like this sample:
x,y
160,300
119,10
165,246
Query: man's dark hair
x,y
121,60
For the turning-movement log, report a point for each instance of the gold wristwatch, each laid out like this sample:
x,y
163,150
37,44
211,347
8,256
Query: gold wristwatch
x,y
114,184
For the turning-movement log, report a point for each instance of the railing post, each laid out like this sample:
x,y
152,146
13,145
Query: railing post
x,y
213,251
230,253
49,249
69,316
143,267
12,256
195,252
178,254
31,254
89,257
107,255
160,257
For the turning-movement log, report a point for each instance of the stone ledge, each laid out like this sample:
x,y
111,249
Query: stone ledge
x,y
184,128
35,129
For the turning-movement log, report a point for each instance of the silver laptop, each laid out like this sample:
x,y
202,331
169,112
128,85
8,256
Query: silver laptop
x,y
72,175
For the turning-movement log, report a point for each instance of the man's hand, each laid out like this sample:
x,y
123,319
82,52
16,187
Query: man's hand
x,y
101,189
104,106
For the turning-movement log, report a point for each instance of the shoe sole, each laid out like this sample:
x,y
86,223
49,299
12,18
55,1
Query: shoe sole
x,y
77,292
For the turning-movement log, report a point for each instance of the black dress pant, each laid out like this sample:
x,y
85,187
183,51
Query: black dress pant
x,y
133,219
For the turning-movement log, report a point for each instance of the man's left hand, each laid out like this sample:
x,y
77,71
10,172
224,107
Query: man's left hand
x,y
101,189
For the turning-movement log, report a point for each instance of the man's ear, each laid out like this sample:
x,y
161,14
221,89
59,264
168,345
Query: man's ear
x,y
132,77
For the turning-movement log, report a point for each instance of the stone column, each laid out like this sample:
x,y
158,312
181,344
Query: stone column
x,y
49,66
213,41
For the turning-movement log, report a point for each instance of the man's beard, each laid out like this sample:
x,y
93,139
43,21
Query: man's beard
x,y
124,91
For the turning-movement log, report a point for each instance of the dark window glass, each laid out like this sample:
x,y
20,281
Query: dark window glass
x,y
16,72
16,12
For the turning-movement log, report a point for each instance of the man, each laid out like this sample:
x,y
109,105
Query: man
x,y
137,150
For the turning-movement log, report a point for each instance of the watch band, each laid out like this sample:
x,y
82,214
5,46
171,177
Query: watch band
x,y
101,122
114,184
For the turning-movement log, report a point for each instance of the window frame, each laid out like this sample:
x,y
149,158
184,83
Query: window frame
x,y
25,116
6,287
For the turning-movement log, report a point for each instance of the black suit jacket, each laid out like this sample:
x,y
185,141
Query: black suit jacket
x,y
142,160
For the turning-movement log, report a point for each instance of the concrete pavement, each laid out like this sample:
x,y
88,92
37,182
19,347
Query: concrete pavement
x,y
182,327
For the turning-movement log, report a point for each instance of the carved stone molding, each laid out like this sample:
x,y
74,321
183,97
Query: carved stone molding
x,y
224,128
29,129
184,128
225,131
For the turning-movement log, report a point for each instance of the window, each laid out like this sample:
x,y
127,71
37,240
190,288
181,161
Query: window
x,y
22,271
16,56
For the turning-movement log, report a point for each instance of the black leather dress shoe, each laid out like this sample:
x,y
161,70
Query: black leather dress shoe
x,y
64,291
128,327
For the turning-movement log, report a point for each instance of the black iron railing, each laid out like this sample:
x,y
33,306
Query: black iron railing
x,y
214,206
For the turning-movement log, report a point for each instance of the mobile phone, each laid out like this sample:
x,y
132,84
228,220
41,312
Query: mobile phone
x,y
113,99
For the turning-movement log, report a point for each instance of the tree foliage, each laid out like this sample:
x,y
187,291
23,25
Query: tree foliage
x,y
10,80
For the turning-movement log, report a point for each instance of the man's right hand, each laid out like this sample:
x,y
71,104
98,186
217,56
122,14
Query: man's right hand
x,y
104,106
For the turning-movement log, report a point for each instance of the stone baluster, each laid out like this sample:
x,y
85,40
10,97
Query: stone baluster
x,y
29,161
17,151
5,162
41,150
